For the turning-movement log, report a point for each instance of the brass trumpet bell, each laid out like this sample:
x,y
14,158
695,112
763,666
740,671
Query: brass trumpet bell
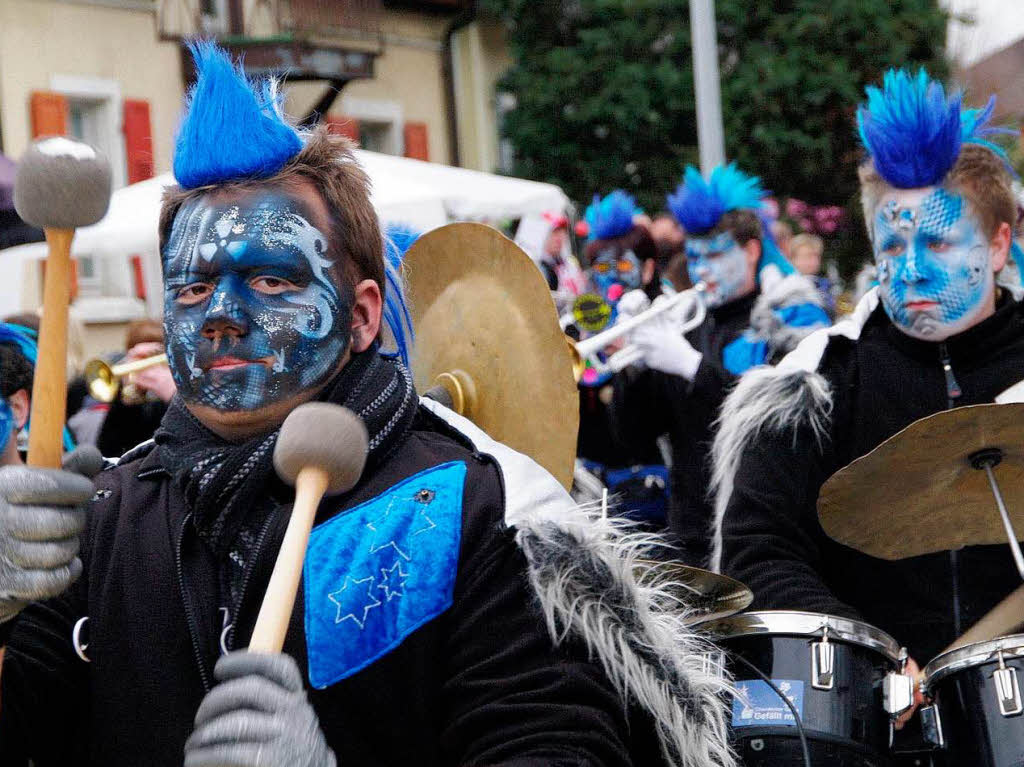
x,y
104,380
487,332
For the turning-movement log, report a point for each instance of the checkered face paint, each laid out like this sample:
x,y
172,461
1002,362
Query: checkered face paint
x,y
252,314
720,263
933,260
614,267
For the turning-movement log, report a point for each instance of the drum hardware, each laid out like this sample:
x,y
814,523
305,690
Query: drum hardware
x,y
104,380
898,688
586,350
823,663
488,343
931,725
946,487
1007,688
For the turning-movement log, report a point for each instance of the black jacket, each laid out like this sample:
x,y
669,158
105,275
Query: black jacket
x,y
478,684
649,403
881,383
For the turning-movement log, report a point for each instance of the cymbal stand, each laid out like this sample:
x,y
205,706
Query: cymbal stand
x,y
987,459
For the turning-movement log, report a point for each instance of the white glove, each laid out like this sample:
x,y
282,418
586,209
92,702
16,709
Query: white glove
x,y
631,304
664,348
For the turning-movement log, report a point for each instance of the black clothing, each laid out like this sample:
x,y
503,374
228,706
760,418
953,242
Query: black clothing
x,y
126,426
649,403
880,384
479,684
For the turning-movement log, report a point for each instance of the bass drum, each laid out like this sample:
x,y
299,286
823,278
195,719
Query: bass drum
x,y
831,670
977,712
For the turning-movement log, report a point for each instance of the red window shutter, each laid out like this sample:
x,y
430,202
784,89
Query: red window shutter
x,y
343,126
138,140
49,114
139,277
416,144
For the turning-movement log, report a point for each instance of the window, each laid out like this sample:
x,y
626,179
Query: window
x,y
380,123
374,136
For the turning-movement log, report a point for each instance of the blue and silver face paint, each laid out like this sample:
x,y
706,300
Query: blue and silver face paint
x,y
933,260
252,313
613,267
720,263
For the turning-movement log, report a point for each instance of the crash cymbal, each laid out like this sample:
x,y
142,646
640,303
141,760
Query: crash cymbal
x,y
918,492
707,596
487,330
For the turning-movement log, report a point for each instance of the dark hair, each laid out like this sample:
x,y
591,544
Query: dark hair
x,y
143,331
743,224
637,239
15,370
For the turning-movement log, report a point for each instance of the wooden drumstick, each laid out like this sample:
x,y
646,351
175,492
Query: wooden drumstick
x,y
1005,618
321,450
60,185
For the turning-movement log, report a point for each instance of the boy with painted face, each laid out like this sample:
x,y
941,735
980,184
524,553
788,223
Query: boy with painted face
x,y
757,310
419,634
939,331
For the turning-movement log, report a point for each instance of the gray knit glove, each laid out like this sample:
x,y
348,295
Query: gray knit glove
x,y
42,513
258,716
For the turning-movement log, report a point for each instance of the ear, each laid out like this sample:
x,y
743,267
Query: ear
x,y
753,249
647,273
19,407
366,315
999,246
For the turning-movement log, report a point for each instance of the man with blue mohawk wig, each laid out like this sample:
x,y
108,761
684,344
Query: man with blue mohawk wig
x,y
939,331
417,638
758,309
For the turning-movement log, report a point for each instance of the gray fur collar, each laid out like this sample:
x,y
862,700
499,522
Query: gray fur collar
x,y
765,324
593,584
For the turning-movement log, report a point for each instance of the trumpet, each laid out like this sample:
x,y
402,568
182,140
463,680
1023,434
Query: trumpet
x,y
104,380
582,351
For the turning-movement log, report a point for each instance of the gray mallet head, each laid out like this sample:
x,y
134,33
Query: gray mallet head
x,y
330,437
61,183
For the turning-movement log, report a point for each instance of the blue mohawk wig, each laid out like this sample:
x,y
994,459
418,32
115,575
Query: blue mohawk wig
x,y
611,217
397,241
233,129
700,204
913,130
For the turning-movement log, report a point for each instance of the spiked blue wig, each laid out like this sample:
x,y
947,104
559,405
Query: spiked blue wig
x,y
611,217
699,205
233,129
913,130
397,241
24,340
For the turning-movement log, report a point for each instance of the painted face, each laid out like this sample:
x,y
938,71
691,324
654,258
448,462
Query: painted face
x,y
720,263
615,272
251,313
933,261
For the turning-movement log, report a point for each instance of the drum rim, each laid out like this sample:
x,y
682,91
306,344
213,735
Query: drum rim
x,y
808,624
970,656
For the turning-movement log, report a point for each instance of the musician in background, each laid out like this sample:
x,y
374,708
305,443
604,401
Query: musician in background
x,y
758,309
17,352
939,331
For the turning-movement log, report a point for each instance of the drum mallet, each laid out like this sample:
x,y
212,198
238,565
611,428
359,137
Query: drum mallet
x,y
60,185
321,450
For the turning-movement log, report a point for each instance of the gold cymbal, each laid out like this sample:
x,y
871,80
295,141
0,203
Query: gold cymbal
x,y
918,493
487,329
707,596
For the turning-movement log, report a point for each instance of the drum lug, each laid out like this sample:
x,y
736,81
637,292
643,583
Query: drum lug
x,y
931,725
1007,689
823,663
713,663
897,693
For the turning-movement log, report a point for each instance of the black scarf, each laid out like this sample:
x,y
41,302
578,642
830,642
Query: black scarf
x,y
228,485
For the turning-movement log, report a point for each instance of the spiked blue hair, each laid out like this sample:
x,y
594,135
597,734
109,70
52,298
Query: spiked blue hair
x,y
913,130
700,204
24,339
611,217
233,128
397,241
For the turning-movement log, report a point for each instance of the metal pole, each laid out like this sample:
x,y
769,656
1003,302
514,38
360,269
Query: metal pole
x,y
710,135
1011,534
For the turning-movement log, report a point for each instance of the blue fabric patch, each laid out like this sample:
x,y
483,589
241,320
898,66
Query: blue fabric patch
x,y
377,572
756,704
803,316
743,354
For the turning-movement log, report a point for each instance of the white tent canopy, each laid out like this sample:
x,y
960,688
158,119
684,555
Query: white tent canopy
x,y
416,194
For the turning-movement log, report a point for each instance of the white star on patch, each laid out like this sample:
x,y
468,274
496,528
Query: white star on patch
x,y
343,598
374,546
393,581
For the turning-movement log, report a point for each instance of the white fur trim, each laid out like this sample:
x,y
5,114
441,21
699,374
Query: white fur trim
x,y
587,573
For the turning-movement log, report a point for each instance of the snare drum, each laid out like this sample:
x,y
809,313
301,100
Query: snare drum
x,y
831,669
977,712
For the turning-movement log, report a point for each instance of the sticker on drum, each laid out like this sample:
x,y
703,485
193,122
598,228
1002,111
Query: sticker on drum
x,y
756,704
